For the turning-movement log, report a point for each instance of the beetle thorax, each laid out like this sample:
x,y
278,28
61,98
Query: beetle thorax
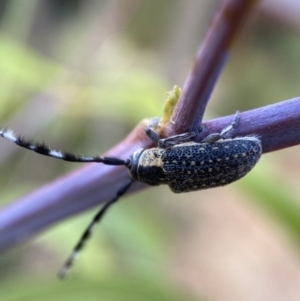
x,y
147,166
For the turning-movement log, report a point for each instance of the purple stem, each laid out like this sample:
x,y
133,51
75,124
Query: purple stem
x,y
277,125
210,59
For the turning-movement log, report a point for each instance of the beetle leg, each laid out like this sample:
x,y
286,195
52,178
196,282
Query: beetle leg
x,y
151,134
178,139
150,129
231,126
225,132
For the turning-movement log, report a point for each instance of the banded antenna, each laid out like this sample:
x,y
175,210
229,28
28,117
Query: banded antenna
x,y
43,149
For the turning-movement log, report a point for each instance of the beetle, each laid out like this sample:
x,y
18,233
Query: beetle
x,y
177,161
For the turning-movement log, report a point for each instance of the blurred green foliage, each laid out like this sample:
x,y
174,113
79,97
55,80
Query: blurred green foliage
x,y
80,75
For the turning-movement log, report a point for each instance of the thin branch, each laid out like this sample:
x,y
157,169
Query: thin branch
x,y
210,60
277,125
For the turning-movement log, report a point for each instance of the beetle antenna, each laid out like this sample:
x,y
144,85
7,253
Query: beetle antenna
x,y
43,149
88,231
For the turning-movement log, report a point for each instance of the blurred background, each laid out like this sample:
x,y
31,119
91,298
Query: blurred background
x,y
74,74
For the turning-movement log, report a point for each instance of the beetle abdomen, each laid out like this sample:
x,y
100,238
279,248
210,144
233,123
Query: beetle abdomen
x,y
195,166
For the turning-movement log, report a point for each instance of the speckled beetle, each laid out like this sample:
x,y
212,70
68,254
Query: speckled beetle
x,y
177,161
186,166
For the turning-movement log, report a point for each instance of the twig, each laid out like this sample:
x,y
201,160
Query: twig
x,y
277,125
